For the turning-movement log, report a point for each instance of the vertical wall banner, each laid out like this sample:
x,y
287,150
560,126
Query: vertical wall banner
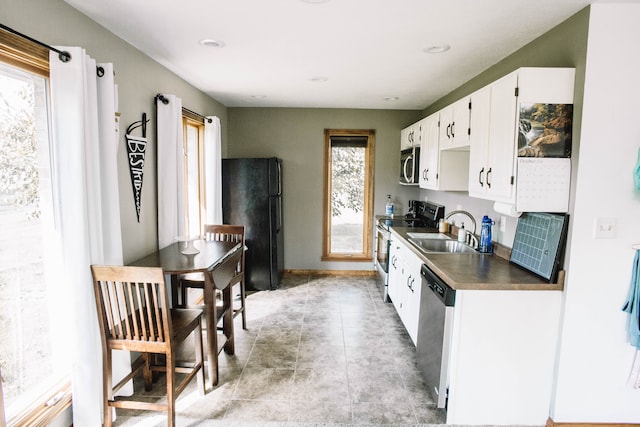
x,y
136,148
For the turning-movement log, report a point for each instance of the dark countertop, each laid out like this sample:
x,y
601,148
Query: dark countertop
x,y
478,271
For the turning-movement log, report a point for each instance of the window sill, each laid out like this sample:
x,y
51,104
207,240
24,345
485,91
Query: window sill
x,y
52,404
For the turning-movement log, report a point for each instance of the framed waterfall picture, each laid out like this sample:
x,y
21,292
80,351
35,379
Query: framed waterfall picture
x,y
545,130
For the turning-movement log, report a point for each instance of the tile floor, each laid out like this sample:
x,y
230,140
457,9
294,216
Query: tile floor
x,y
317,350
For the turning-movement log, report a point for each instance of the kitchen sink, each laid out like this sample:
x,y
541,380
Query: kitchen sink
x,y
442,246
435,236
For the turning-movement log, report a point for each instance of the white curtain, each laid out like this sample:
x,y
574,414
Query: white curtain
x,y
171,154
213,170
85,144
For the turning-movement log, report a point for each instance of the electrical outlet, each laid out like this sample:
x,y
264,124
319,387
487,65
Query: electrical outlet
x,y
605,228
503,223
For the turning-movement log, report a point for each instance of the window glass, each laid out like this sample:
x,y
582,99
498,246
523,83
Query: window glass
x,y
32,357
193,135
348,195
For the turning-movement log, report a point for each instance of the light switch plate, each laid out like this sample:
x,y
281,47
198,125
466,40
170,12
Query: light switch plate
x,y
605,228
503,223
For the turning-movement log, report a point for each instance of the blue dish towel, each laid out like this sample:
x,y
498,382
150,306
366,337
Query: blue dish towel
x,y
632,306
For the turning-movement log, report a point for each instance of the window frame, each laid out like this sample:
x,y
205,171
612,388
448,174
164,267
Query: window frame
x,y
190,119
31,57
367,235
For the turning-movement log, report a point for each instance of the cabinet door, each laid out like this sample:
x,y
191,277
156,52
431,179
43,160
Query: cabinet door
x,y
479,142
499,177
413,290
395,272
405,138
429,153
454,125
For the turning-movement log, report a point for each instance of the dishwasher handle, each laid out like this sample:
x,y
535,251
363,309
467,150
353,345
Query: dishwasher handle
x,y
444,292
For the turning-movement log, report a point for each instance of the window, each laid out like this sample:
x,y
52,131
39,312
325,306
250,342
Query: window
x,y
33,360
193,140
348,195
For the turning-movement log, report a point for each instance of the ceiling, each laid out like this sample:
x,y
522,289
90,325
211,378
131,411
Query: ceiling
x,y
328,53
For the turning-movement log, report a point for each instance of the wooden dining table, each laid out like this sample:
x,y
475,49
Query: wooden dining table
x,y
216,261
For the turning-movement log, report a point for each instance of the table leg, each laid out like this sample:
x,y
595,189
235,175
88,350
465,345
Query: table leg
x,y
227,321
212,331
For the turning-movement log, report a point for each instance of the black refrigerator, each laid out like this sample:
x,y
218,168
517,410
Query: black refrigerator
x,y
252,196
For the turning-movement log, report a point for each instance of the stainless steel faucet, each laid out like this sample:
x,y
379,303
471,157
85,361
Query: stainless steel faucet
x,y
471,237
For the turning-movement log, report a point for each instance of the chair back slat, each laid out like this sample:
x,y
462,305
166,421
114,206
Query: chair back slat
x,y
132,304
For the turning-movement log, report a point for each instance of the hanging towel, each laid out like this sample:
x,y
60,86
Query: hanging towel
x,y
632,306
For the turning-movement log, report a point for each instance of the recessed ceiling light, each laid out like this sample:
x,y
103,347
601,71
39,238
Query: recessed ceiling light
x,y
258,96
391,98
318,79
211,43
315,1
439,48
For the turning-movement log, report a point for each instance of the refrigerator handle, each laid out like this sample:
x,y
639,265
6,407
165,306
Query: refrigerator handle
x,y
279,180
279,213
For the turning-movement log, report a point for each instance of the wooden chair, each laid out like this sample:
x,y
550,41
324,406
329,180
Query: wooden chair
x,y
133,314
223,232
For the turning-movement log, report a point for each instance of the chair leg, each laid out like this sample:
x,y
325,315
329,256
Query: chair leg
x,y
197,338
243,295
146,371
107,388
171,397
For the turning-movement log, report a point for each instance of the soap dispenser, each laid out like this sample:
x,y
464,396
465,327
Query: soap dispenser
x,y
389,206
462,233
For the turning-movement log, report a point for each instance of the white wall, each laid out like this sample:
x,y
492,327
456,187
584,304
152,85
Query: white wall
x,y
594,359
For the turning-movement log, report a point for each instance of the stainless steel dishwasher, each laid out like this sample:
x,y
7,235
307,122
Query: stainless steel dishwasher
x,y
434,334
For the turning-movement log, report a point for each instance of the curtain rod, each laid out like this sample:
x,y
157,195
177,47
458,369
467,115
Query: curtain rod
x,y
64,56
165,101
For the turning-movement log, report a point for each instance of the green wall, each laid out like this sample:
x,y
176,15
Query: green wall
x,y
297,136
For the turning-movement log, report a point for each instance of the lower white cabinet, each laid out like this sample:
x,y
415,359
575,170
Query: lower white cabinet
x,y
405,285
503,349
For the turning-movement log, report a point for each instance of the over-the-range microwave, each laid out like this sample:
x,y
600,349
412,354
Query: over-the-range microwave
x,y
410,166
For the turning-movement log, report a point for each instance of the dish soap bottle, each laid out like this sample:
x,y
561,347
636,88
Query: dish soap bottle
x,y
485,235
462,233
389,206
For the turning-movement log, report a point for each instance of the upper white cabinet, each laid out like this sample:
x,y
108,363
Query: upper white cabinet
x,y
498,131
410,137
493,147
445,170
429,152
454,125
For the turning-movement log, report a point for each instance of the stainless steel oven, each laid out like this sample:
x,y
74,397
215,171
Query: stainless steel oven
x,y
383,240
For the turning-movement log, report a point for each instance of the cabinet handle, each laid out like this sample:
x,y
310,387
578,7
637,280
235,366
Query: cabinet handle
x,y
488,174
453,130
480,177
424,173
449,131
409,283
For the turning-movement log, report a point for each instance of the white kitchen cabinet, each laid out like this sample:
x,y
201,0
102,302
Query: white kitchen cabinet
x,y
405,285
479,142
502,357
493,148
444,170
454,125
395,269
410,137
